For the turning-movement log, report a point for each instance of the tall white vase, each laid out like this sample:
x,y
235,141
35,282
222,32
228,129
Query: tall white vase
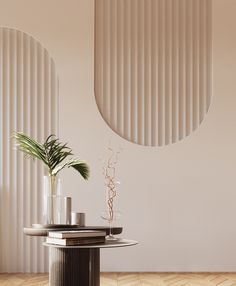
x,y
52,203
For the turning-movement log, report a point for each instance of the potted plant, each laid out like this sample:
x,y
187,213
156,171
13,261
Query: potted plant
x,y
55,156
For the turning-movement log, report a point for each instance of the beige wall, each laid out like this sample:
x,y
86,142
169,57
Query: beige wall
x,y
177,201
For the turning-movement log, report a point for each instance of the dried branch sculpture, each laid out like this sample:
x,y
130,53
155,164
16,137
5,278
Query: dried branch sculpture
x,y
109,172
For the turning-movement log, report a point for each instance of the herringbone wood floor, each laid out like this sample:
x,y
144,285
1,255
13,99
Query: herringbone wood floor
x,y
132,279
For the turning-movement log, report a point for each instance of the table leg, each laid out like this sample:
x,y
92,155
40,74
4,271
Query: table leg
x,y
74,266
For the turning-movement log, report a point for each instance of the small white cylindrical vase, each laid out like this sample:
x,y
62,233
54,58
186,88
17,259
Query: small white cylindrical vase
x,y
68,204
78,219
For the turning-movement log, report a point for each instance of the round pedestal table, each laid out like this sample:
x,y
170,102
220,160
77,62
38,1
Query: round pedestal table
x,y
78,265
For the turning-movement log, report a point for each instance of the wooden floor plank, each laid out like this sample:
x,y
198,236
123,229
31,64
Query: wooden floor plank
x,y
132,279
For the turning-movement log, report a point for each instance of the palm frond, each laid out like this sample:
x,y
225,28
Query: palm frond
x,y
77,164
30,147
81,167
56,151
52,153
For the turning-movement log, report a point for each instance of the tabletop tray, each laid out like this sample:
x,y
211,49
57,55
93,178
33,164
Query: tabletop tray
x,y
37,231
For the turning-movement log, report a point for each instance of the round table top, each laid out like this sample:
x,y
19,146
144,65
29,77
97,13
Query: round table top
x,y
120,242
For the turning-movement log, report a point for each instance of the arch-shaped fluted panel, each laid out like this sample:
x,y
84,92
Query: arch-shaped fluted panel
x,y
153,67
28,103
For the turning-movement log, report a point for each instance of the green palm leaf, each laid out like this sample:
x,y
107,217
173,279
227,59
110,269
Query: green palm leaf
x,y
81,167
78,165
52,153
30,147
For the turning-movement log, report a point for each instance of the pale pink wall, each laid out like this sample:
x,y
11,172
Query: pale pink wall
x,y
178,201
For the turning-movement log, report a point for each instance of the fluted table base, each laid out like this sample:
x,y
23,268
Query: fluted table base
x,y
74,266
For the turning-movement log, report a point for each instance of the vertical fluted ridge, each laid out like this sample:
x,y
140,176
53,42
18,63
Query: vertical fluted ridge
x,y
153,74
28,103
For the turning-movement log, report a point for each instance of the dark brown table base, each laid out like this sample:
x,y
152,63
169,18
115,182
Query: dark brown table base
x,y
78,265
74,266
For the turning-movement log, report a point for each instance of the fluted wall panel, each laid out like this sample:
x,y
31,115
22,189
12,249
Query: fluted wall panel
x,y
28,103
153,67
